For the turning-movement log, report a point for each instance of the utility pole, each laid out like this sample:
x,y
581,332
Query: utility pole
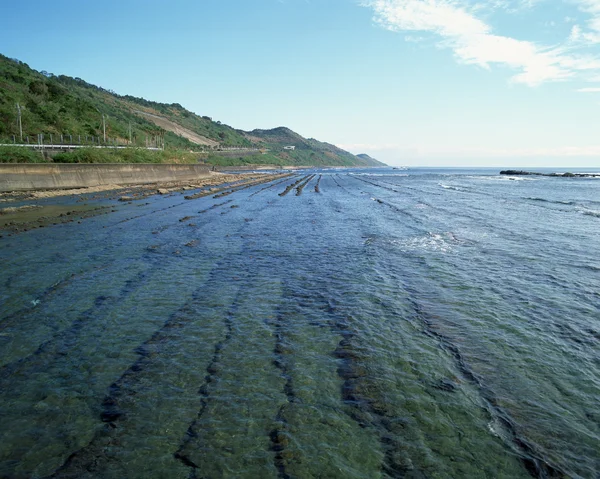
x,y
129,133
20,122
104,126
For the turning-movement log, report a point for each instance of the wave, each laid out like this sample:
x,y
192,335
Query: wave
x,y
502,178
595,213
449,187
433,242
589,267
544,200
382,175
461,188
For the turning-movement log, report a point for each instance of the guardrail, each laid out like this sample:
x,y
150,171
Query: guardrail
x,y
45,146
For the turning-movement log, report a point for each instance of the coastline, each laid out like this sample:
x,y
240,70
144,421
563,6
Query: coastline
x,y
48,176
21,211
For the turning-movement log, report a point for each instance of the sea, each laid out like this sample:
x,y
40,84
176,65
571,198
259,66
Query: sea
x,y
376,323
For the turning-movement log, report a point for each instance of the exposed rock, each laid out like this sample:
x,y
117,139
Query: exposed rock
x,y
568,174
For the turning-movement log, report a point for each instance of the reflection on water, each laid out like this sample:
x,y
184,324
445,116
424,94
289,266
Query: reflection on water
x,y
378,325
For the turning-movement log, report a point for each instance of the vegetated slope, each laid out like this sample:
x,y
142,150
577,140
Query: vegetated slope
x,y
62,105
372,161
306,151
70,106
178,129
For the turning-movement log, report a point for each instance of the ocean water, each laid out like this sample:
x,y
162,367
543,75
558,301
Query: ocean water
x,y
415,323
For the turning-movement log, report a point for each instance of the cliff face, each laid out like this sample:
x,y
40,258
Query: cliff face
x,y
75,110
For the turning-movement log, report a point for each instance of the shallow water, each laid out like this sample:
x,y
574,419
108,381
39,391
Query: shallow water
x,y
397,323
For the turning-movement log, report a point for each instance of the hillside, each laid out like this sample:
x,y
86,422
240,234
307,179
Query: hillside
x,y
369,159
306,151
74,110
61,105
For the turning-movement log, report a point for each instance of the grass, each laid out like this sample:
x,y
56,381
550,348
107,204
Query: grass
x,y
259,159
16,154
13,154
125,155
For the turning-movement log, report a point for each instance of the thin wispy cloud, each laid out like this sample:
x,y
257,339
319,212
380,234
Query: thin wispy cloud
x,y
459,26
589,33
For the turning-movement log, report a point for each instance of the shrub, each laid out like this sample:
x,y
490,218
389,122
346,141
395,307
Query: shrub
x,y
16,154
38,87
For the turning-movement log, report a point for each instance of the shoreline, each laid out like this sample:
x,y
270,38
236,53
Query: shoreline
x,y
22,211
49,176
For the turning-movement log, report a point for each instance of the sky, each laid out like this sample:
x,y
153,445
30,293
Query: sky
x,y
410,82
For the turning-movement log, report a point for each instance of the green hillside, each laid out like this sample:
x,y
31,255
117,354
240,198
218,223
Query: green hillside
x,y
370,160
73,111
306,151
70,106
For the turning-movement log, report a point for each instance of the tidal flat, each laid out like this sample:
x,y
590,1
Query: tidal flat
x,y
328,323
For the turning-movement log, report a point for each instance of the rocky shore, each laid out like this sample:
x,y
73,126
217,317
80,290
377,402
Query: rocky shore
x,y
24,210
559,175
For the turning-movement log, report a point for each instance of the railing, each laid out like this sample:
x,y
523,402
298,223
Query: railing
x,y
51,141
47,146
54,141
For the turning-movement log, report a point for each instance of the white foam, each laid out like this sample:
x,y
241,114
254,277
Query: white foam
x,y
587,212
438,242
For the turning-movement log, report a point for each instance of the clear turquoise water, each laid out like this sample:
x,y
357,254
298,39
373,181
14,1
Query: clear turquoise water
x,y
418,323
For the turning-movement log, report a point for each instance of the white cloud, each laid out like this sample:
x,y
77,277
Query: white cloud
x,y
592,36
511,6
583,38
576,33
440,16
589,90
473,41
589,6
537,66
413,39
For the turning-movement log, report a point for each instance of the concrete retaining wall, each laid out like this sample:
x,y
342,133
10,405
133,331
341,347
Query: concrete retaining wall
x,y
27,176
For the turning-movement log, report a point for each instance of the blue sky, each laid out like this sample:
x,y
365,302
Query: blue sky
x,y
411,82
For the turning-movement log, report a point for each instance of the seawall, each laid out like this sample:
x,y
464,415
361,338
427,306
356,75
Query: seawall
x,y
41,176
